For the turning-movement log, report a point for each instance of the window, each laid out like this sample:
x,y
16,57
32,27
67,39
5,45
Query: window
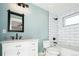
x,y
71,20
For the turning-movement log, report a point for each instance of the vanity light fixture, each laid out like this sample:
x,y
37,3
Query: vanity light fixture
x,y
23,5
55,18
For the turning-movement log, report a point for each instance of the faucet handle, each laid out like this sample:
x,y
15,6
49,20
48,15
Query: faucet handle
x,y
12,37
20,37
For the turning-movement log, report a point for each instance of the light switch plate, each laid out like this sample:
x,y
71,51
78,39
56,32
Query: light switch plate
x,y
4,31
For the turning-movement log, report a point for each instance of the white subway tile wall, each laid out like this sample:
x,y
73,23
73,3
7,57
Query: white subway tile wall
x,y
53,30
67,36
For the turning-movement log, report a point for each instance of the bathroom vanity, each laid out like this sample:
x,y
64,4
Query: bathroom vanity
x,y
20,47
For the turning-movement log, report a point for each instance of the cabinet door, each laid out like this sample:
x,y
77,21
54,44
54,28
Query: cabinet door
x,y
9,50
24,49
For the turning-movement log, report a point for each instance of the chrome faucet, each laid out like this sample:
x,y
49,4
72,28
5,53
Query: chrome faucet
x,y
18,37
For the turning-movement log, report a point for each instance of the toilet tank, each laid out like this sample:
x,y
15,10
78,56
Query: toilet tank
x,y
46,43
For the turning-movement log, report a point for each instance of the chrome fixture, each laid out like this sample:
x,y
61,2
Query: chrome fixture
x,y
55,18
54,41
17,37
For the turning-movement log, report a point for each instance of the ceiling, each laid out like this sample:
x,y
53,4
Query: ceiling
x,y
59,9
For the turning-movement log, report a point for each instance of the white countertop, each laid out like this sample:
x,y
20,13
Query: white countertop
x,y
23,40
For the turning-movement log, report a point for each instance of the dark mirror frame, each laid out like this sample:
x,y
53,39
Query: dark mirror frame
x,y
16,14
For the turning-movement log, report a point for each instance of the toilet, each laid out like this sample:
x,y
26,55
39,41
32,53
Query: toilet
x,y
50,50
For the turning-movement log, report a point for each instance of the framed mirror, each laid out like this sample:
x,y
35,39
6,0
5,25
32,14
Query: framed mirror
x,y
15,22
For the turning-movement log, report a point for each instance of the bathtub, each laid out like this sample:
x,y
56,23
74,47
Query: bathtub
x,y
60,51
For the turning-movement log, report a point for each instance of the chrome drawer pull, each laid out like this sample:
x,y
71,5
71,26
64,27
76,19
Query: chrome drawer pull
x,y
33,43
18,45
33,49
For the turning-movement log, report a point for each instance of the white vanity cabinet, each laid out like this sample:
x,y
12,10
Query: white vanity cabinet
x,y
20,48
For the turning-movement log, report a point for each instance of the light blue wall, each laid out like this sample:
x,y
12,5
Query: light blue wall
x,y
35,24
